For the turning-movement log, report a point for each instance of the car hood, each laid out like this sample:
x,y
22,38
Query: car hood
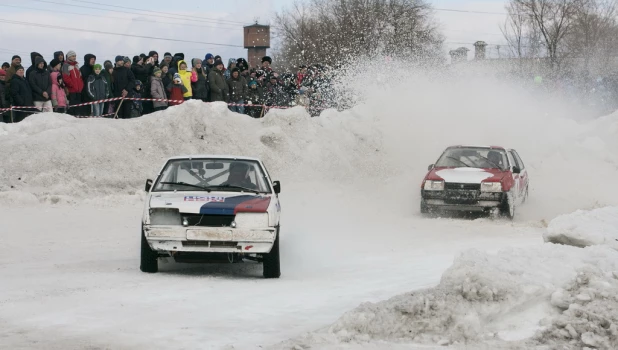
x,y
213,203
467,175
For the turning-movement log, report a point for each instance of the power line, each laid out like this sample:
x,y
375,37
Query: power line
x,y
165,13
112,17
470,11
133,13
110,33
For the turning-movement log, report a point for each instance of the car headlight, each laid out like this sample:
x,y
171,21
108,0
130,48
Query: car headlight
x,y
491,187
251,220
431,185
164,216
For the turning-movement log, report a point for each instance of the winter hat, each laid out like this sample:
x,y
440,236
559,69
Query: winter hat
x,y
180,55
138,82
71,53
14,57
136,59
97,66
267,59
177,77
235,69
108,64
208,56
195,62
253,82
20,67
54,63
167,54
156,70
219,62
119,58
126,59
2,73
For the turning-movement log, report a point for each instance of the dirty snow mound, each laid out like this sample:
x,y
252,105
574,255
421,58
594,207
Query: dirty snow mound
x,y
585,228
546,295
59,159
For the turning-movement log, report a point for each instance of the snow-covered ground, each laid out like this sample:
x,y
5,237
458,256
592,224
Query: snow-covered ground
x,y
352,235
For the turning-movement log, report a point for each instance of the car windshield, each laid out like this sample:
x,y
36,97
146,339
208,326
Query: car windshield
x,y
486,158
212,175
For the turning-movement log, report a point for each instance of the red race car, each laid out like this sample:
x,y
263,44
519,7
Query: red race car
x,y
476,178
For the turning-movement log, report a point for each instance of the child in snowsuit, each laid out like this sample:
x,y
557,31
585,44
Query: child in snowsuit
x,y
136,106
58,96
98,90
177,90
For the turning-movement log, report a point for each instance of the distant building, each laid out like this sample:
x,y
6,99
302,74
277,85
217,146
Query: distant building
x,y
257,40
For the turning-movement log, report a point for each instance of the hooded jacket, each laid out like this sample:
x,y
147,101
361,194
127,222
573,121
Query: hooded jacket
x,y
40,81
218,86
97,87
141,72
72,77
58,93
3,101
200,87
124,79
86,71
237,88
56,57
33,56
21,93
157,90
187,79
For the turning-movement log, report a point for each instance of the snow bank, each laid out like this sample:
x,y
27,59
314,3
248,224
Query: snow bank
x,y
522,298
59,159
585,228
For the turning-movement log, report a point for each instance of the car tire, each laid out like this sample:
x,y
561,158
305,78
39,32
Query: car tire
x,y
272,263
424,208
507,209
148,258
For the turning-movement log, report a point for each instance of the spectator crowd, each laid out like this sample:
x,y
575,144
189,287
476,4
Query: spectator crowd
x,y
63,83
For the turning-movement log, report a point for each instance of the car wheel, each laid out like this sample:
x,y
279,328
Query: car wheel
x,y
508,207
272,264
149,258
424,208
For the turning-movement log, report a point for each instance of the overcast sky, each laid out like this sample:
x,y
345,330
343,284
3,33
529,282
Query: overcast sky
x,y
205,23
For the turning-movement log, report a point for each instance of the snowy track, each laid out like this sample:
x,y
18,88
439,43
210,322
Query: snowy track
x,y
73,279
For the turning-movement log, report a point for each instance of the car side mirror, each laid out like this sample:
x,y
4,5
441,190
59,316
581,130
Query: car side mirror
x,y
516,170
430,167
148,185
277,186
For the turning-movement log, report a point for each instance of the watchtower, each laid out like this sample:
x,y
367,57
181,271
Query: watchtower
x,y
257,40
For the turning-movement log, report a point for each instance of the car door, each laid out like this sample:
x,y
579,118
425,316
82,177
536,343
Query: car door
x,y
523,176
516,182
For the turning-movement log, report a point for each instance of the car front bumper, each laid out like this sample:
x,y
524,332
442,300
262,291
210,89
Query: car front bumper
x,y
166,238
472,200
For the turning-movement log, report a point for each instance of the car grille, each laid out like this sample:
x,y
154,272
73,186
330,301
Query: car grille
x,y
461,196
461,186
208,220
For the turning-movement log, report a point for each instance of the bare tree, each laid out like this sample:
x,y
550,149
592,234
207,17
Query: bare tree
x,y
593,35
333,31
553,18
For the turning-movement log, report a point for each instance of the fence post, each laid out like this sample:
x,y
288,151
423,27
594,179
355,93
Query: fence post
x,y
12,120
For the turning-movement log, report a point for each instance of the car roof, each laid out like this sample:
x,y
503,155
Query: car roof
x,y
477,146
212,156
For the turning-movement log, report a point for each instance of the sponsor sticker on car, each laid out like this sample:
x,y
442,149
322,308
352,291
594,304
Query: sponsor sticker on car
x,y
204,199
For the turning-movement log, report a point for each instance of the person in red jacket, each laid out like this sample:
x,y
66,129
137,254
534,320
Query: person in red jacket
x,y
73,80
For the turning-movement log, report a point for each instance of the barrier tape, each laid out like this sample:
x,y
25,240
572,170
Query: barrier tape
x,y
155,100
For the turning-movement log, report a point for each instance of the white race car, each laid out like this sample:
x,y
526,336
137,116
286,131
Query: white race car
x,y
212,208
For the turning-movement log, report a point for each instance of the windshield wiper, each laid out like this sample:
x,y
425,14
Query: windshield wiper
x,y
187,184
238,187
461,161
